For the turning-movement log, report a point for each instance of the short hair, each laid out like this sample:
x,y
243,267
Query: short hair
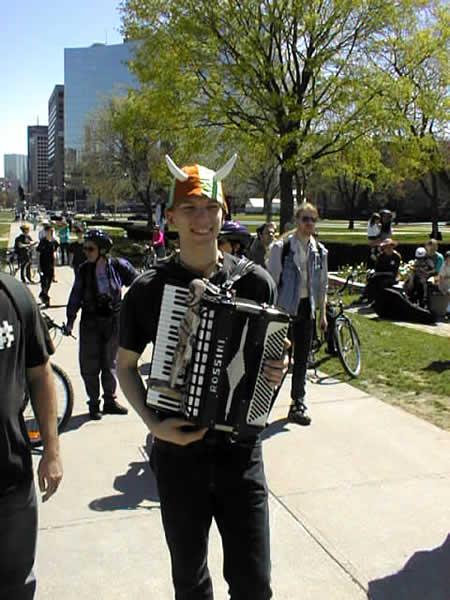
x,y
304,206
432,242
48,227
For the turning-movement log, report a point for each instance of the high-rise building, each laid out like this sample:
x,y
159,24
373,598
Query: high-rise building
x,y
91,77
38,161
15,168
56,143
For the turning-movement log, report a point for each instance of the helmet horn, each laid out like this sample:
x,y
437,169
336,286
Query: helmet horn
x,y
176,171
226,169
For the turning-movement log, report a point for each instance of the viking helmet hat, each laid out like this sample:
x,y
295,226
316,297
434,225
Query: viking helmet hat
x,y
196,180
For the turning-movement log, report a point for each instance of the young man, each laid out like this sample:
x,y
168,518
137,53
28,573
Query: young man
x,y
201,474
76,250
47,249
23,245
24,358
299,266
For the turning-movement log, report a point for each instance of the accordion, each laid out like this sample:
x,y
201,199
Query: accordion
x,y
223,387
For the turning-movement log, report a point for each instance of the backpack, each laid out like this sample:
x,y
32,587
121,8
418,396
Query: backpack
x,y
287,248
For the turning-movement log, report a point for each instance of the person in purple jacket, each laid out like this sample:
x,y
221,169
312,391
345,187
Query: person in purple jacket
x,y
97,290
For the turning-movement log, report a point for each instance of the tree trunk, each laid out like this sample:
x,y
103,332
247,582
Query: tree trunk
x,y
433,195
286,198
268,206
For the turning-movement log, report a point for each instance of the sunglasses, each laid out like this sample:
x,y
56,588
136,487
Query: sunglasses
x,y
306,219
89,248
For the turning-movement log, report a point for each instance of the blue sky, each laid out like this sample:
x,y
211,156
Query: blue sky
x,y
33,36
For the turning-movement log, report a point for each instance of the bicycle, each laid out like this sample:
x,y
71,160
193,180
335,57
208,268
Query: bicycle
x,y
64,395
341,335
12,266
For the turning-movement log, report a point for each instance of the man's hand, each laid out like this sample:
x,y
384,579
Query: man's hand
x,y
323,323
275,370
177,431
50,473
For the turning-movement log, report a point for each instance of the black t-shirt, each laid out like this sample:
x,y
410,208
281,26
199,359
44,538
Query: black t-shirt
x,y
47,249
19,350
141,306
386,263
79,255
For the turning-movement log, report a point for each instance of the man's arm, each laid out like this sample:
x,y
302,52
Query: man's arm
x,y
43,398
171,429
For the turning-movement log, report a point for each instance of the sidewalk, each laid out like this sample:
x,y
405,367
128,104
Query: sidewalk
x,y
356,499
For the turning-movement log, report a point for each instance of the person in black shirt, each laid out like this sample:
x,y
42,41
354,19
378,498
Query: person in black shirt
x,y
23,245
47,248
24,360
201,474
76,250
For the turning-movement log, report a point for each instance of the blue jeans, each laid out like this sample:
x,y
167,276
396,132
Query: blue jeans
x,y
300,334
18,534
226,482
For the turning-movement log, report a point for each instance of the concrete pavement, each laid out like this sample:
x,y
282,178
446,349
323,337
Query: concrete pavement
x,y
359,500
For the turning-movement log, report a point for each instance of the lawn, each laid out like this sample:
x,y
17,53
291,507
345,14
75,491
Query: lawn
x,y
402,366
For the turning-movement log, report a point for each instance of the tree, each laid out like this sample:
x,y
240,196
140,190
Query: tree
x,y
291,75
122,154
414,61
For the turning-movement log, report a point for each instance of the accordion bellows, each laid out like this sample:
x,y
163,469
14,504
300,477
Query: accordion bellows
x,y
223,387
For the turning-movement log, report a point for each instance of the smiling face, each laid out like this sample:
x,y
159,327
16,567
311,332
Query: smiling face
x,y
198,220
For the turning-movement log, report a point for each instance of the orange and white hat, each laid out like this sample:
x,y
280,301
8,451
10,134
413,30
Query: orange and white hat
x,y
196,180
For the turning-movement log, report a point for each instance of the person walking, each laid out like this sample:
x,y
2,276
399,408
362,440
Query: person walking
x,y
201,474
25,348
299,267
47,248
76,249
97,290
64,241
23,245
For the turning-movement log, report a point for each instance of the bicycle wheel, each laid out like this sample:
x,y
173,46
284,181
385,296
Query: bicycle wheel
x,y
348,347
33,274
64,396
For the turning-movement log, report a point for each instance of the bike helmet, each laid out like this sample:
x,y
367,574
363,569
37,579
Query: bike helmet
x,y
235,232
25,227
100,239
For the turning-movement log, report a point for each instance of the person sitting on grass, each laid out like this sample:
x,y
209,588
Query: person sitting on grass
x,y
416,286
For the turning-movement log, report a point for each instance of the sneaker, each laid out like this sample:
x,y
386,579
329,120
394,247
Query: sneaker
x,y
298,413
112,407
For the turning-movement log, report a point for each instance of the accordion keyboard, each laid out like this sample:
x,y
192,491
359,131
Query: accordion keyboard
x,y
173,308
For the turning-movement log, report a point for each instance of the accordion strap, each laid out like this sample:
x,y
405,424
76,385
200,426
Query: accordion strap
x,y
243,267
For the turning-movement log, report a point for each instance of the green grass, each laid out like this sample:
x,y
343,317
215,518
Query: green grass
x,y
403,366
336,230
4,230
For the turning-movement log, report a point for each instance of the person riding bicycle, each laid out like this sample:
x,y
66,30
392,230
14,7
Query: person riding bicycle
x,y
234,238
23,245
97,290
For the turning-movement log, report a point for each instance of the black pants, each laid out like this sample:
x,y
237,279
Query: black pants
x,y
47,273
226,482
99,342
64,249
301,334
18,533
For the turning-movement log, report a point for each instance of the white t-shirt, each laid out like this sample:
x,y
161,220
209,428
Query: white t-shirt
x,y
373,231
444,279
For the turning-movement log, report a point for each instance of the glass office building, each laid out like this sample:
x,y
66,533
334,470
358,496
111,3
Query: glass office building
x,y
91,76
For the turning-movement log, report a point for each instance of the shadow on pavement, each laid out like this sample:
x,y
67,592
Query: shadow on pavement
x,y
275,427
136,485
76,422
424,577
439,366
